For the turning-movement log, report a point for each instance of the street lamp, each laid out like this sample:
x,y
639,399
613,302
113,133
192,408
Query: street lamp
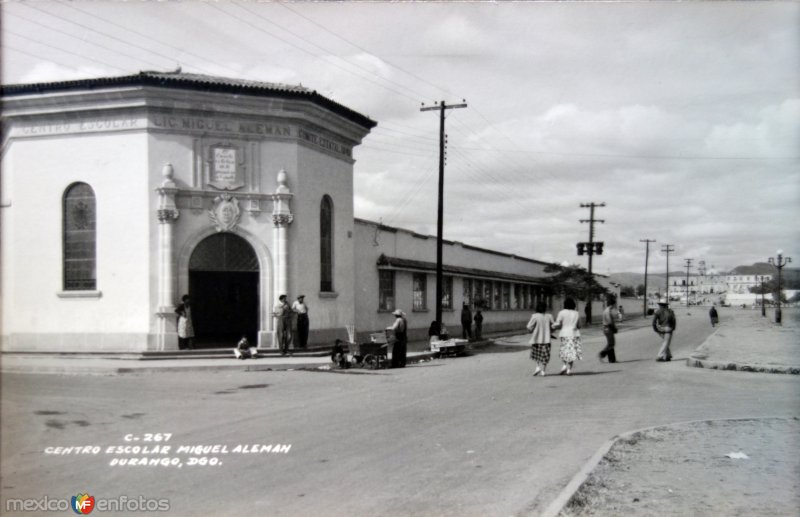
x,y
779,263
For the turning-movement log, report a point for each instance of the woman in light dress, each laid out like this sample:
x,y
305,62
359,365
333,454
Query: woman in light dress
x,y
568,323
540,326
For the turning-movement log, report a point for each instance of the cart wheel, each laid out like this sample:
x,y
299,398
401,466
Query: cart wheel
x,y
371,361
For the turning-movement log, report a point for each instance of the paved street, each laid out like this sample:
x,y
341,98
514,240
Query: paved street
x,y
467,436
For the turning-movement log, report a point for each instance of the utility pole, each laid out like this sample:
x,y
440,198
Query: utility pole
x,y
688,266
440,223
667,248
591,248
646,260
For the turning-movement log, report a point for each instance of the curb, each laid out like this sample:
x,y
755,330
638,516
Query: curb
x,y
701,362
257,365
580,478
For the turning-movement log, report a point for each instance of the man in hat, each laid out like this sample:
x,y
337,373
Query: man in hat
x,y
400,329
664,326
301,310
283,326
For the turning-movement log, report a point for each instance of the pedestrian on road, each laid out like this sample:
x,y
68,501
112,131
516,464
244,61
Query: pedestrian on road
x,y
478,318
283,324
540,326
609,329
301,313
400,330
664,325
466,322
713,315
568,323
185,324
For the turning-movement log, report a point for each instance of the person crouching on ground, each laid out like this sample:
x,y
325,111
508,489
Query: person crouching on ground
x,y
568,323
540,326
338,356
243,349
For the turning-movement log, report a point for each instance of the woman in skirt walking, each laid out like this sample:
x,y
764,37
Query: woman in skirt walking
x,y
540,326
568,323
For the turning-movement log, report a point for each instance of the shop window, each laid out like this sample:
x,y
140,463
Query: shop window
x,y
326,244
467,290
80,238
385,290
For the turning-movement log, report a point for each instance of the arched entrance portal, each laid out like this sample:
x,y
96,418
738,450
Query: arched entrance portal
x,y
223,286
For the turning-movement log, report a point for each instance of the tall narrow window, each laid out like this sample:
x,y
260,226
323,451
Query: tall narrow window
x,y
385,290
420,291
467,283
447,292
326,244
80,238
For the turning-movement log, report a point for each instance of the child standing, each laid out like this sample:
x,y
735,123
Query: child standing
x,y
540,326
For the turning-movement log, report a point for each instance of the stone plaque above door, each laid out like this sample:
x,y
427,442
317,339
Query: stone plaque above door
x,y
225,166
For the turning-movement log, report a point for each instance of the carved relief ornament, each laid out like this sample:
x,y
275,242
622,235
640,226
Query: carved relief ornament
x,y
225,213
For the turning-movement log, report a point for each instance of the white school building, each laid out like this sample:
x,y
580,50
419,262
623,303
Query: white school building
x,y
118,195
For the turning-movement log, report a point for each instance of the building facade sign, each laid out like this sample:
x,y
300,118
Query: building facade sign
x,y
205,125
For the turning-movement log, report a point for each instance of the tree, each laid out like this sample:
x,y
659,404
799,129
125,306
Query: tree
x,y
640,290
627,291
573,281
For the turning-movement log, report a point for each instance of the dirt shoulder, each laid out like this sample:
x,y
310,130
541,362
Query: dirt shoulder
x,y
684,470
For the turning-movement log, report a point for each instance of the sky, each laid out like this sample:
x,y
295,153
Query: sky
x,y
682,118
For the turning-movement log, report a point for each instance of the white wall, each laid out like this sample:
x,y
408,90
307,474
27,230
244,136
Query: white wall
x,y
37,173
318,173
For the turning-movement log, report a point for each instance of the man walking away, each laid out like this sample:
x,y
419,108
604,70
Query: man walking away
x,y
664,326
609,329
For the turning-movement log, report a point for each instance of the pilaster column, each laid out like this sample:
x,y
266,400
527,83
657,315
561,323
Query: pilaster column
x,y
167,213
282,217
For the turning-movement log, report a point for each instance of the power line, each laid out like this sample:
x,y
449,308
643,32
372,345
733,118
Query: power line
x,y
59,49
302,38
247,22
151,38
79,39
38,56
444,90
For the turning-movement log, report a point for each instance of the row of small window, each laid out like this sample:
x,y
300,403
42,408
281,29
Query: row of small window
x,y
483,294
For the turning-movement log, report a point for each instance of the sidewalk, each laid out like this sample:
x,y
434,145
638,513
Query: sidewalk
x,y
666,470
746,341
116,364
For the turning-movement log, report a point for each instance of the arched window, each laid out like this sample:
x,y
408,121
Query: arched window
x,y
326,244
80,238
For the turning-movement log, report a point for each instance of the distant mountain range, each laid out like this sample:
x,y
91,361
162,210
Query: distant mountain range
x,y
656,280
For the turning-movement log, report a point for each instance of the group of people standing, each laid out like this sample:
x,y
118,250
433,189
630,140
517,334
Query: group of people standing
x,y
292,323
567,323
466,323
